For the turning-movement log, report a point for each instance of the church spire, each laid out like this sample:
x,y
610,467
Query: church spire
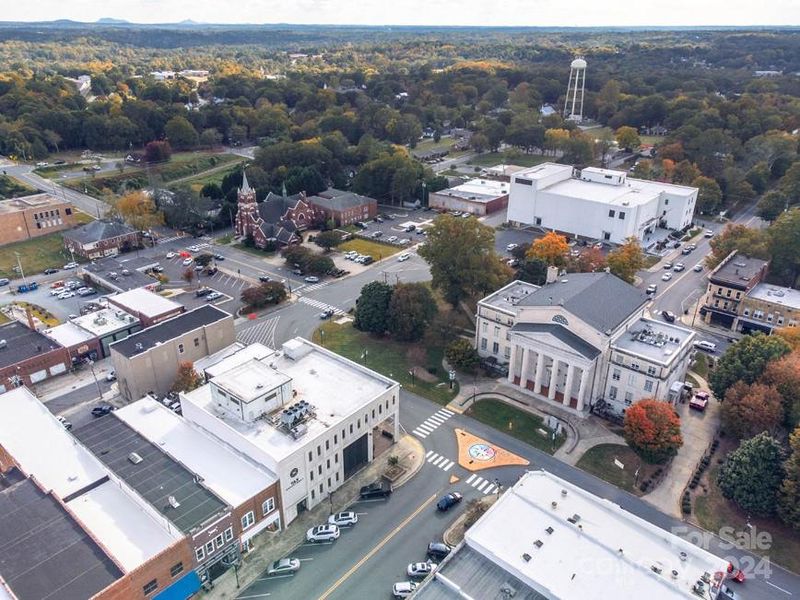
x,y
283,190
245,186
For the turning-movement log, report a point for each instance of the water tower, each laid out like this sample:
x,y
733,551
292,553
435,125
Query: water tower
x,y
573,107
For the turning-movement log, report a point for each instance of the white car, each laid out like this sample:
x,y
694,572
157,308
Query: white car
x,y
194,248
420,569
708,233
511,247
66,295
404,242
343,518
41,164
57,291
171,255
403,257
70,265
187,262
311,279
698,268
666,277
213,296
391,238
403,589
323,533
705,345
111,375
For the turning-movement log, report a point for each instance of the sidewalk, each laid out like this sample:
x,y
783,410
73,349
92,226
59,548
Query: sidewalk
x,y
698,430
269,547
583,431
62,384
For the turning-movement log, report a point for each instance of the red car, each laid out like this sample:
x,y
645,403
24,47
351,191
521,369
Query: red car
x,y
699,401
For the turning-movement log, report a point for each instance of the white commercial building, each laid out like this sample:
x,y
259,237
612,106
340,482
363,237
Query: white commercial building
x,y
476,196
308,415
546,538
598,204
582,338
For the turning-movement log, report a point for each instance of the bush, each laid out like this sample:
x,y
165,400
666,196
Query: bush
x,y
461,355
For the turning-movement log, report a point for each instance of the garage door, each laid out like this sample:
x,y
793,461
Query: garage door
x,y
38,376
355,456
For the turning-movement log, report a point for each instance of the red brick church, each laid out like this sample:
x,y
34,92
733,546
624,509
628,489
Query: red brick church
x,y
277,221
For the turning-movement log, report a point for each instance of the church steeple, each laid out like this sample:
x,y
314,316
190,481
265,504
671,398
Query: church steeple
x,y
246,193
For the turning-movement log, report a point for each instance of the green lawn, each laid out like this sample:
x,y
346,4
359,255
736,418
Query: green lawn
x,y
254,251
599,461
428,145
490,159
390,358
376,250
36,255
11,188
521,424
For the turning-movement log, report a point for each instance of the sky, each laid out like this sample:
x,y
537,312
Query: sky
x,y
543,13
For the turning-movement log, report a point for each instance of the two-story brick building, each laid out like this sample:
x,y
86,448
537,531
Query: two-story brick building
x,y
31,216
728,284
344,208
99,239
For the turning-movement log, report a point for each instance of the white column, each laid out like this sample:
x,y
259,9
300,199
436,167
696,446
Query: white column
x,y
537,382
512,363
582,389
526,367
551,392
568,388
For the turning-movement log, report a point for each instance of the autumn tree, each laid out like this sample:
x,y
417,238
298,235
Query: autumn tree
x,y
264,294
589,260
157,151
745,361
139,211
653,430
188,275
626,260
784,246
411,309
552,248
791,335
187,379
750,409
789,493
784,375
745,240
462,258
372,308
752,475
628,138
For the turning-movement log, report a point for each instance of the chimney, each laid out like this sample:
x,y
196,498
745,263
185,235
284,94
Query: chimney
x,y
552,274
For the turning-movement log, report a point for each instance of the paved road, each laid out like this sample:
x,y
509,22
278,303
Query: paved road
x,y
370,557
450,163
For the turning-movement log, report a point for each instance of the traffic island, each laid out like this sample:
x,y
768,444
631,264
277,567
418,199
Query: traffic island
x,y
476,454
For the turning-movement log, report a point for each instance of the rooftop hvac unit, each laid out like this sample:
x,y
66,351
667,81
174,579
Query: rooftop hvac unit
x,y
299,431
135,458
138,346
173,502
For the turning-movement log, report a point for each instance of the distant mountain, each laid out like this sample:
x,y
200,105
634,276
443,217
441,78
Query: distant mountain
x,y
112,21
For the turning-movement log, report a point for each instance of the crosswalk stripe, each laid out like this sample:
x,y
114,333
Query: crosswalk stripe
x,y
439,461
483,485
441,415
433,457
447,412
428,453
448,466
425,428
420,434
489,489
477,482
471,477
435,420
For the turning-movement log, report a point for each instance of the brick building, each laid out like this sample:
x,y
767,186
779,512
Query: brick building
x,y
728,285
344,208
148,306
27,356
31,216
99,239
277,221
476,196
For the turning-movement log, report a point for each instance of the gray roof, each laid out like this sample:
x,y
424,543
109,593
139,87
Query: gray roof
x,y
565,335
168,330
477,575
737,270
602,300
156,477
22,343
98,230
334,199
44,552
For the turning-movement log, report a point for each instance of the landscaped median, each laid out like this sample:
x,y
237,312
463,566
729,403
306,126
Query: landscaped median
x,y
521,424
417,366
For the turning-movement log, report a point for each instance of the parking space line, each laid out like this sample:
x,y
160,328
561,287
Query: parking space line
x,y
264,595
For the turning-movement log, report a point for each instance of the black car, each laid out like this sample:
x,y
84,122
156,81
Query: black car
x,y
377,489
50,271
447,502
438,551
668,316
202,292
102,410
264,278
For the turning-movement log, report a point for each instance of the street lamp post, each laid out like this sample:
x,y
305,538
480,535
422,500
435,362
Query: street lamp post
x,y
96,382
322,337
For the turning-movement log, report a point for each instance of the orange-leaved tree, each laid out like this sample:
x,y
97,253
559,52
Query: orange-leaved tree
x,y
625,260
653,430
552,248
187,378
139,211
750,409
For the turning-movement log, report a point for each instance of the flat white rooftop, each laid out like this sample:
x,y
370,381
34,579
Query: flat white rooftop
x,y
251,379
48,452
654,340
145,302
105,321
506,298
68,334
227,360
231,476
334,386
606,553
478,190
782,296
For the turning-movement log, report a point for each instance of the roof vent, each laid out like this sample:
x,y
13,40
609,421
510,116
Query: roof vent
x,y
683,556
554,505
549,530
173,502
563,493
538,543
508,591
526,557
138,346
656,569
3,344
135,458
574,518
674,574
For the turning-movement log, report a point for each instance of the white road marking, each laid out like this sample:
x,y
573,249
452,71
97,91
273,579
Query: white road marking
x,y
420,434
489,489
438,461
448,466
433,457
435,419
446,412
483,485
778,588
478,481
428,453
471,477
425,428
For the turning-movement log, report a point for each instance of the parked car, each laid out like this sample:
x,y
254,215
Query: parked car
x,y
708,233
698,267
343,519
705,346
187,261
410,228
420,569
326,314
65,295
171,255
202,292
403,589
66,424
111,375
667,265
284,566
403,257
511,247
666,277
102,410
218,256
311,279
4,280
438,550
50,271
213,296
391,239
403,242
264,278
446,502
651,289
377,489
699,401
668,316
678,267
70,265
377,234
323,533
86,291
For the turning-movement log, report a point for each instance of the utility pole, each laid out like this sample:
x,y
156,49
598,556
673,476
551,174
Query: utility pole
x,y
21,272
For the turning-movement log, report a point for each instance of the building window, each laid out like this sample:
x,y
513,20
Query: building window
x,y
310,456
327,445
496,332
209,548
507,352
248,519
312,494
651,370
648,385
769,318
484,325
746,312
621,216
780,320
612,392
200,554
632,379
229,534
336,458
628,398
150,587
351,429
268,506
319,450
635,366
180,348
495,348
483,343
335,439
328,463
538,220
196,342
218,541
320,489
615,374
666,201
319,469
611,213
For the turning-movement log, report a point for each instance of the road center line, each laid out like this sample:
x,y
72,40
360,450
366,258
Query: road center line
x,y
778,588
377,548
